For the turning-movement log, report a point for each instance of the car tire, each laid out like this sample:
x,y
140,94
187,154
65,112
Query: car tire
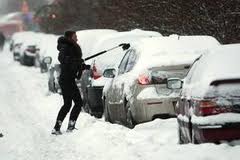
x,y
14,58
180,136
105,111
193,138
129,118
86,108
22,62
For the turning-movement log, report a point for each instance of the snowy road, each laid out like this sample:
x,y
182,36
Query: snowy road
x,y
28,112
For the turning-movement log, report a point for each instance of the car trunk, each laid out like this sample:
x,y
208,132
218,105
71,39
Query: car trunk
x,y
226,93
160,75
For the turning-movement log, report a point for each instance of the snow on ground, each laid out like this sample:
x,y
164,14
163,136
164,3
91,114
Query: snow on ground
x,y
28,113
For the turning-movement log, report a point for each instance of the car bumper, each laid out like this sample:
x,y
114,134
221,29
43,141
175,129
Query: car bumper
x,y
149,109
217,133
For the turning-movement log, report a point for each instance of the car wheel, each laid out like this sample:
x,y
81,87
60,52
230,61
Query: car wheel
x,y
180,136
22,62
105,111
193,138
129,118
14,58
86,107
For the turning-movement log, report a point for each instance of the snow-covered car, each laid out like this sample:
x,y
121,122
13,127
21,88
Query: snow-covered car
x,y
94,82
138,92
28,54
17,41
209,108
25,48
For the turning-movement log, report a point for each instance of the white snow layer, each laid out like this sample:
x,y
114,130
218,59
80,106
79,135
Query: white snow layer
x,y
212,66
28,113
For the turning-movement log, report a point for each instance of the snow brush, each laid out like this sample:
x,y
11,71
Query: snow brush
x,y
125,46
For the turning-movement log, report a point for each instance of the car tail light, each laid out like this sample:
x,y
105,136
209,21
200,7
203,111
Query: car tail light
x,y
144,79
95,74
31,50
211,108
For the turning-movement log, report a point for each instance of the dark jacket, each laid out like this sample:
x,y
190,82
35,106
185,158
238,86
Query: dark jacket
x,y
70,58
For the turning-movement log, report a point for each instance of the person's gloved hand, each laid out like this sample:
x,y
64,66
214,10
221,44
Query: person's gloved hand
x,y
87,67
79,75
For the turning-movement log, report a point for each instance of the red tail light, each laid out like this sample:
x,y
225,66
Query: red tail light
x,y
95,74
211,108
31,50
144,79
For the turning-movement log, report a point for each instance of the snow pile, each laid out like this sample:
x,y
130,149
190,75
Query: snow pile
x,y
217,119
213,67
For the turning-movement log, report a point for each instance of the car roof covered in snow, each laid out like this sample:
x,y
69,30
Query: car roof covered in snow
x,y
172,50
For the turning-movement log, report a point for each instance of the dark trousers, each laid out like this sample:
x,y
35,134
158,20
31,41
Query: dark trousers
x,y
70,92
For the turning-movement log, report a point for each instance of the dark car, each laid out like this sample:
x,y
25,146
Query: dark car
x,y
209,108
28,55
92,95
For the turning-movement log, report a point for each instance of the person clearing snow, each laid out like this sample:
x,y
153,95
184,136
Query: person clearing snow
x,y
71,63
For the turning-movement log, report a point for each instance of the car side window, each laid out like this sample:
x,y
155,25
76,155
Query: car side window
x,y
131,61
122,65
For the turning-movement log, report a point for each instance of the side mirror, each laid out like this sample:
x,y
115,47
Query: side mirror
x,y
109,73
174,83
47,60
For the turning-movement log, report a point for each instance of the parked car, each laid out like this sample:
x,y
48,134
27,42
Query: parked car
x,y
28,54
93,81
17,41
25,48
138,92
209,108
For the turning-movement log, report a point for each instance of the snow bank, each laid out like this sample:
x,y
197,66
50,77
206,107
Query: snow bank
x,y
219,119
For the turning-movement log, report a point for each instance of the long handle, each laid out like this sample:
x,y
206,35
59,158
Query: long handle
x,y
121,45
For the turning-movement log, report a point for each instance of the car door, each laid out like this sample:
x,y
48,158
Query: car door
x,y
115,92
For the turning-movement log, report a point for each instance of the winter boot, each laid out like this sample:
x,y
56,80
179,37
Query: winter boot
x,y
71,125
56,129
